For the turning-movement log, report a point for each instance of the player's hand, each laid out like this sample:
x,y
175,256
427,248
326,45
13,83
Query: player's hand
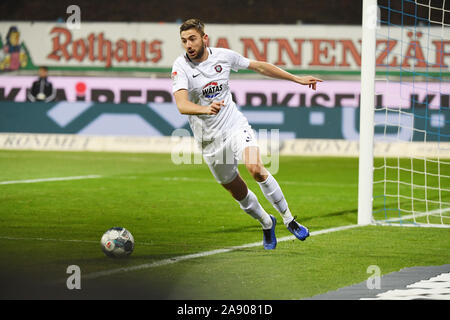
x,y
215,107
310,81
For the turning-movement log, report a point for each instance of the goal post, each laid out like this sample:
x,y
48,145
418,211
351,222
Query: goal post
x,y
404,146
367,105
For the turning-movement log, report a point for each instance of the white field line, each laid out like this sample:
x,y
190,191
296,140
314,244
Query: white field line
x,y
176,179
304,183
173,260
48,239
62,240
91,176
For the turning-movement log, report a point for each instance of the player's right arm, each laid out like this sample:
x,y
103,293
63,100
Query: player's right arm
x,y
187,107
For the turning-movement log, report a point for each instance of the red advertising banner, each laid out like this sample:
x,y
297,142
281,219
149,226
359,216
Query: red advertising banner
x,y
155,46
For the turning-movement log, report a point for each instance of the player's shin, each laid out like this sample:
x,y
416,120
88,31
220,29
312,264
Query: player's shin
x,y
272,191
251,205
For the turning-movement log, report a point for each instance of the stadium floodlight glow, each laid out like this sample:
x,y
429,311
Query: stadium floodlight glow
x,y
404,155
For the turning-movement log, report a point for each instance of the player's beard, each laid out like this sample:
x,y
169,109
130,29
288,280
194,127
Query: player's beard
x,y
201,51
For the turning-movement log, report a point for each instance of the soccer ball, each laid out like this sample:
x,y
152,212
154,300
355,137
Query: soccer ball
x,y
117,242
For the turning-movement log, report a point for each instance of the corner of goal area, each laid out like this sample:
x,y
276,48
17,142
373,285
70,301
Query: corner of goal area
x,y
438,218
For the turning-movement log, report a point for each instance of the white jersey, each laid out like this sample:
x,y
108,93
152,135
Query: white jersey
x,y
207,82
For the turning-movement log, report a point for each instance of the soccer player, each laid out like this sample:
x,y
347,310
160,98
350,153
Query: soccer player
x,y
200,87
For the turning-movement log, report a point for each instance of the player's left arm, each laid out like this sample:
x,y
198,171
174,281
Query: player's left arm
x,y
273,71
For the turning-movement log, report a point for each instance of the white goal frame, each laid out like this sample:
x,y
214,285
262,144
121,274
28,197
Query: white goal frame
x,y
367,110
367,124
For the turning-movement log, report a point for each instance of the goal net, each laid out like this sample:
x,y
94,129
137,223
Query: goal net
x,y
411,114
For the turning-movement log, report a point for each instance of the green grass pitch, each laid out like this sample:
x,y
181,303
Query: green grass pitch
x,y
176,210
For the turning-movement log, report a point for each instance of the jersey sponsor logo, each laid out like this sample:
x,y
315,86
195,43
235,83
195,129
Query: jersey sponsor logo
x,y
212,89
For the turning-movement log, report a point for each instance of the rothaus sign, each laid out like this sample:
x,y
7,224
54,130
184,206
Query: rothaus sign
x,y
155,46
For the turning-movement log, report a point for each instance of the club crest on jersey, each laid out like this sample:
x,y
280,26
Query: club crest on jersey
x,y
211,90
218,68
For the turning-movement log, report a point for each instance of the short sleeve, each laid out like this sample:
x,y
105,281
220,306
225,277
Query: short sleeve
x,y
179,78
238,61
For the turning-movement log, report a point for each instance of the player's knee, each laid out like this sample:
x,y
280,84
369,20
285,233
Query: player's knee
x,y
257,171
237,188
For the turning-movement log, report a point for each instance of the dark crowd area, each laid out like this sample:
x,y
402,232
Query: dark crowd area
x,y
342,12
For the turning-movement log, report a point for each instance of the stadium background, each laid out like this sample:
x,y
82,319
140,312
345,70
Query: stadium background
x,y
135,68
127,108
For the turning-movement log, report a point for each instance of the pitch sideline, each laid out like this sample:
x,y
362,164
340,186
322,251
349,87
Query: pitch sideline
x,y
91,176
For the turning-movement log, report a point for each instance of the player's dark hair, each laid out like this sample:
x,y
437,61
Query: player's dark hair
x,y
196,24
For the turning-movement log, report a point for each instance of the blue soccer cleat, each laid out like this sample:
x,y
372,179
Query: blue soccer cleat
x,y
301,232
269,239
